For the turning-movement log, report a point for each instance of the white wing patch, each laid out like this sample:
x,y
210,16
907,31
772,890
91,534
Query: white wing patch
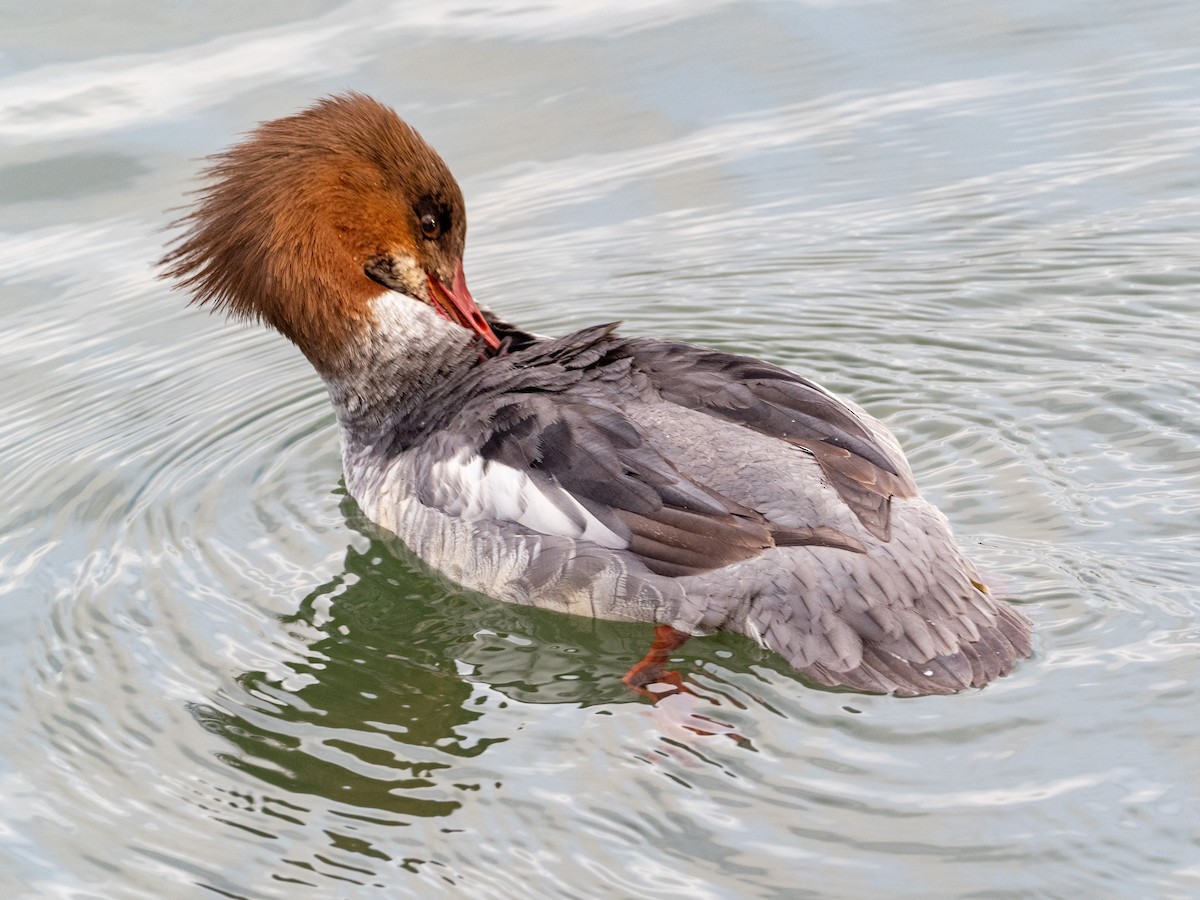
x,y
467,486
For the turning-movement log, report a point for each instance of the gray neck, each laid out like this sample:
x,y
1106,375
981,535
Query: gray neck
x,y
382,380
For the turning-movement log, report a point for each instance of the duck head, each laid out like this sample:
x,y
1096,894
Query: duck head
x,y
305,220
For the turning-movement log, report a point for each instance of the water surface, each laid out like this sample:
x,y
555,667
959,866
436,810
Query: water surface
x,y
979,221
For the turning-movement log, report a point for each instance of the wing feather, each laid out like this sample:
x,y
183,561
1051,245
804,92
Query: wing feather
x,y
865,469
536,436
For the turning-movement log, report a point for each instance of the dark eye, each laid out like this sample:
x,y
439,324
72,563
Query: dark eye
x,y
430,227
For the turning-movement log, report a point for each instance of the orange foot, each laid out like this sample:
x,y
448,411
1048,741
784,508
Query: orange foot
x,y
650,677
675,703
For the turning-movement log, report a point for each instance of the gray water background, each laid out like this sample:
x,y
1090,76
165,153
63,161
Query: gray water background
x,y
979,220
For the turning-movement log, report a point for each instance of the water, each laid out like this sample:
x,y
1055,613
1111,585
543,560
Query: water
x,y
979,220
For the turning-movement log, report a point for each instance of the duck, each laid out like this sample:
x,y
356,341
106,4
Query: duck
x,y
621,477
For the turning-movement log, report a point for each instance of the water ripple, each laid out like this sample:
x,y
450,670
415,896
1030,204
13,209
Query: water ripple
x,y
218,675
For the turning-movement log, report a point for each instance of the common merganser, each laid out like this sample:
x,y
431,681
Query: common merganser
x,y
623,478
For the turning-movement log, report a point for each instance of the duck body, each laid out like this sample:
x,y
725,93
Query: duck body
x,y
647,480
623,478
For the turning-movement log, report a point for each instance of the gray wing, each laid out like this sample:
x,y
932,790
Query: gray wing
x,y
538,439
859,458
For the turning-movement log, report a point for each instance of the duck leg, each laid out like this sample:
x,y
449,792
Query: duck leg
x,y
652,669
674,702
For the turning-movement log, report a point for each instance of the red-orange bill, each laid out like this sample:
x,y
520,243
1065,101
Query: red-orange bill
x,y
457,304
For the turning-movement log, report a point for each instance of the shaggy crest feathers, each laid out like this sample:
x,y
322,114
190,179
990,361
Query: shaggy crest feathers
x,y
294,214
